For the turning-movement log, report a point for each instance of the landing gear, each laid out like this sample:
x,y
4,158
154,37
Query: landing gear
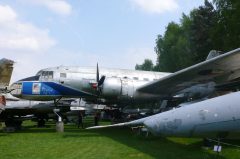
x,y
41,123
207,143
12,125
59,124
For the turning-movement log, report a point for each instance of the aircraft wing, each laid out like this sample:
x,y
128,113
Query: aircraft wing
x,y
221,69
131,123
6,68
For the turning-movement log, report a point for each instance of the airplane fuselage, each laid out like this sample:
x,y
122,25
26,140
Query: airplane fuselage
x,y
120,85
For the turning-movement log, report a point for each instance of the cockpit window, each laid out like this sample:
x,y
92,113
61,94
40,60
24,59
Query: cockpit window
x,y
32,78
46,74
39,73
50,74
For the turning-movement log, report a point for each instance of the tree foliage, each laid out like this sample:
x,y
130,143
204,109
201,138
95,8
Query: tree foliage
x,y
228,23
146,66
212,26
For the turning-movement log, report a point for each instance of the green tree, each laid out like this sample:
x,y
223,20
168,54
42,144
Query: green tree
x,y
146,66
212,26
173,49
188,42
227,32
203,21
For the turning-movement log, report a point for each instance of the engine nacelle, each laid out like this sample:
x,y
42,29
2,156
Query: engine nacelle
x,y
112,88
122,88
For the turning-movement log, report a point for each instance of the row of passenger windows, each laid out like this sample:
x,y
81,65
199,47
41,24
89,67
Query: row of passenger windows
x,y
137,78
49,75
64,75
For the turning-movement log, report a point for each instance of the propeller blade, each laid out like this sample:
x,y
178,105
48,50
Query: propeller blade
x,y
101,80
97,78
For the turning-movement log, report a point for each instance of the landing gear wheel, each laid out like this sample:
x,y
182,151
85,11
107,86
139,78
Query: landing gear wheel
x,y
41,123
13,123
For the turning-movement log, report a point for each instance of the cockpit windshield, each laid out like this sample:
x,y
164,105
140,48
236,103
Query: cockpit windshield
x,y
32,78
39,73
45,74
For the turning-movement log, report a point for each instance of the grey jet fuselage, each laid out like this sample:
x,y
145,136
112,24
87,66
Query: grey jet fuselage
x,y
218,117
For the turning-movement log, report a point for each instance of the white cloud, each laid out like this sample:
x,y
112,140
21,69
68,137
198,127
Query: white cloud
x,y
60,7
7,14
21,36
156,6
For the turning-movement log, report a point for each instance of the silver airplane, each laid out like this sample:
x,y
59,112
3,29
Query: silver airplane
x,y
127,87
217,117
17,110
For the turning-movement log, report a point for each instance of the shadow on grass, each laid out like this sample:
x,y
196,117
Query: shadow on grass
x,y
155,147
50,127
158,147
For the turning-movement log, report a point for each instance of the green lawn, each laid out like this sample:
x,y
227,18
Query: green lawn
x,y
114,143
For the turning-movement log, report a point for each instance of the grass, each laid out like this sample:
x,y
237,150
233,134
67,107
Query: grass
x,y
111,143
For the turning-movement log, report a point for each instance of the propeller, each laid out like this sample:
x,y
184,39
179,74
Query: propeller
x,y
97,74
100,81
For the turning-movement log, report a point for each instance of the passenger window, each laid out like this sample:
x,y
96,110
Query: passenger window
x,y
135,78
63,75
145,79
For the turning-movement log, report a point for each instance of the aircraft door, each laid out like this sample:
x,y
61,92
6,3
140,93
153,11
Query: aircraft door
x,y
62,78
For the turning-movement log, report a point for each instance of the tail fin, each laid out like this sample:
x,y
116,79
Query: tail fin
x,y
6,68
213,53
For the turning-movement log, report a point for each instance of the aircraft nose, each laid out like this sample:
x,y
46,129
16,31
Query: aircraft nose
x,y
16,89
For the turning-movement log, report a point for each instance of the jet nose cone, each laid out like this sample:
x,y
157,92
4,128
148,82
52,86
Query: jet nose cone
x,y
16,89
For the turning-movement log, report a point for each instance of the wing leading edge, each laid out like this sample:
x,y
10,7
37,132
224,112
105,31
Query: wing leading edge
x,y
221,69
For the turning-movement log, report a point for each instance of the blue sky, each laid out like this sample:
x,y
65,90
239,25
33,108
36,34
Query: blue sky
x,y
117,33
